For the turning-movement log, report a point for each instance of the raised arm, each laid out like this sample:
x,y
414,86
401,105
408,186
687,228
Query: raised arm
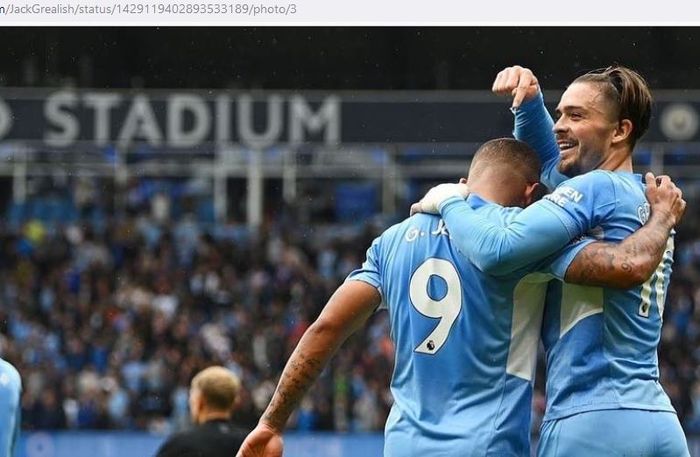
x,y
533,123
633,261
346,311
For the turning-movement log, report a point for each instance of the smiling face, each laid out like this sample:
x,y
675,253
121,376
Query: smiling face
x,y
585,129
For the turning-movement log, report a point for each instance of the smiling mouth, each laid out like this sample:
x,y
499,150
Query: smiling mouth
x,y
566,146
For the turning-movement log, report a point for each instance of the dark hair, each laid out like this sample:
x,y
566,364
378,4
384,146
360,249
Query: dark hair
x,y
628,92
516,155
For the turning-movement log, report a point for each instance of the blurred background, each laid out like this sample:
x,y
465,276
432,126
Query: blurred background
x,y
175,198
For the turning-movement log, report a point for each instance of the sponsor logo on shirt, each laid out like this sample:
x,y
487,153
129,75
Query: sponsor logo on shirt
x,y
563,195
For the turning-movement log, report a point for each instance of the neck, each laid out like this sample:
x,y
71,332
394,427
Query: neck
x,y
212,415
620,160
496,189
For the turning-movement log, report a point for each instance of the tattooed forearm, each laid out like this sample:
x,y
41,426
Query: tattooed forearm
x,y
623,265
346,311
304,366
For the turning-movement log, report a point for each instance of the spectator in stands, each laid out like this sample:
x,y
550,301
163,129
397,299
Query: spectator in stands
x,y
63,320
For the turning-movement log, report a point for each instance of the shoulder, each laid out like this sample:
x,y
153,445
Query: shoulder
x,y
416,222
229,436
226,431
9,374
208,439
592,178
176,445
597,186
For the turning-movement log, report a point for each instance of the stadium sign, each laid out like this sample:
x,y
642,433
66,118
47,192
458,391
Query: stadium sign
x,y
174,120
177,120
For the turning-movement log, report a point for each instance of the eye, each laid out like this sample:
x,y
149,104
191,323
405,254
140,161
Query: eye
x,y
575,115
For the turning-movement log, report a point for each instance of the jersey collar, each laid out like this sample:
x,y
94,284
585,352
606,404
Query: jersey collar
x,y
476,201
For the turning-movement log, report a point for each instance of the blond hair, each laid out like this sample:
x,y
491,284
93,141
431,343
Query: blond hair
x,y
218,386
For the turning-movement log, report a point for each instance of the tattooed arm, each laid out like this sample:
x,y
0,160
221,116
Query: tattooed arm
x,y
634,260
623,265
347,310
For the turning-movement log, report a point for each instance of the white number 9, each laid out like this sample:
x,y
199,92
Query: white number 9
x,y
446,309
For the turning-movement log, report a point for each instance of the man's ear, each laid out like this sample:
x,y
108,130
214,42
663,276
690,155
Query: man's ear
x,y
623,131
534,192
462,180
201,403
198,404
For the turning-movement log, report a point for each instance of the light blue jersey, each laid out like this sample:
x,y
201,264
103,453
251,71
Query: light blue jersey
x,y
10,409
601,343
466,341
614,432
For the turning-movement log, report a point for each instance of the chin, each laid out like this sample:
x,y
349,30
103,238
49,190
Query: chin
x,y
566,168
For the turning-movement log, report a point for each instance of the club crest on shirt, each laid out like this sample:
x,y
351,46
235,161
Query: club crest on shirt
x,y
643,212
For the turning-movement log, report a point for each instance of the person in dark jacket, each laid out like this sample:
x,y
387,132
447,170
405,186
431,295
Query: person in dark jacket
x,y
213,394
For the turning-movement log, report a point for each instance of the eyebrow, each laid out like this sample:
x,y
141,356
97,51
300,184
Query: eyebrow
x,y
569,108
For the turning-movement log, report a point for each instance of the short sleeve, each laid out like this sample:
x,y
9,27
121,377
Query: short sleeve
x,y
561,261
370,271
581,203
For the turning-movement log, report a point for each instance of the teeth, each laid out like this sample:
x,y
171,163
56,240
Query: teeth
x,y
566,145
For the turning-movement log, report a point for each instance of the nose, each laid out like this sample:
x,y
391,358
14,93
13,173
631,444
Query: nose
x,y
559,126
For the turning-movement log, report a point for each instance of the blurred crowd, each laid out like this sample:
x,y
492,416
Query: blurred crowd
x,y
107,324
